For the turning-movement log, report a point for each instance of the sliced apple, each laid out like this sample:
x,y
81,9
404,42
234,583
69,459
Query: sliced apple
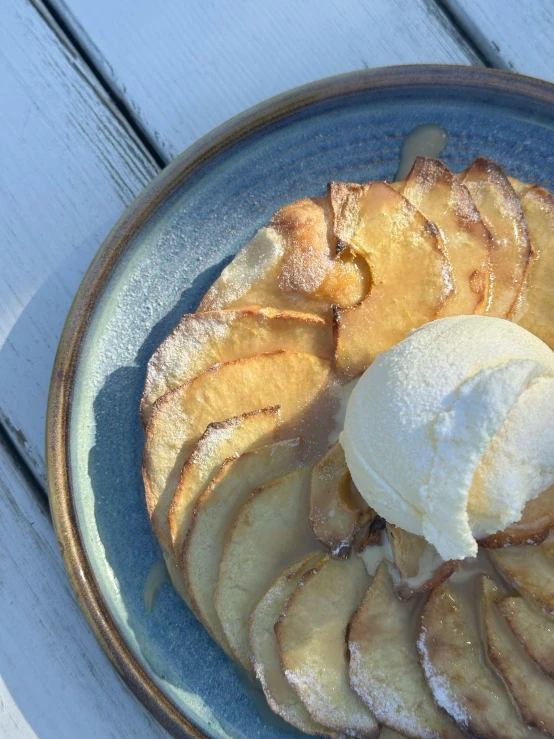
x,y
269,533
435,191
410,278
420,568
530,570
384,665
201,340
221,440
251,279
462,683
533,527
293,264
176,578
502,214
534,631
520,188
337,510
311,635
264,651
531,689
407,550
214,514
313,262
537,306
290,379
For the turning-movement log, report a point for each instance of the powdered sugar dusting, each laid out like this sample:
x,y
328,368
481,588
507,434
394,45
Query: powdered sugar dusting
x,y
351,713
446,272
193,342
305,269
463,204
252,264
213,439
440,685
385,702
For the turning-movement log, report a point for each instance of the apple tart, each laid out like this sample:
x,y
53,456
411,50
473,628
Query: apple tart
x,y
352,626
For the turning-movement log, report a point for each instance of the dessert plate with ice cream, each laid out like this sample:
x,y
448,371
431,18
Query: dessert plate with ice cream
x,y
314,492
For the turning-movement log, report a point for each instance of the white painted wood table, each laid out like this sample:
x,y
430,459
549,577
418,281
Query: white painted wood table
x,y
95,98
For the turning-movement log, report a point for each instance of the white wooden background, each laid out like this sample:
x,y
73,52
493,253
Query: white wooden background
x,y
95,97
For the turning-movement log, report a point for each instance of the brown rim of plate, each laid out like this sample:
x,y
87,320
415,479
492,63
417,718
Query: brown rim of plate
x,y
110,253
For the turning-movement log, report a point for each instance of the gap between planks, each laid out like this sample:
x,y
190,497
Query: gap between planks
x,y
71,166
54,678
85,63
68,38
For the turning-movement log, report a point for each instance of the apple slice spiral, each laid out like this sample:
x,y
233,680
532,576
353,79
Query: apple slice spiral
x,y
234,497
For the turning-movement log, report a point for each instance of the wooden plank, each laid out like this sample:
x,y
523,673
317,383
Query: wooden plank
x,y
55,681
183,68
69,166
513,35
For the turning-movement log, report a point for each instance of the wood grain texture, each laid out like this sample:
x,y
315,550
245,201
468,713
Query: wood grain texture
x,y
55,681
513,35
183,68
69,166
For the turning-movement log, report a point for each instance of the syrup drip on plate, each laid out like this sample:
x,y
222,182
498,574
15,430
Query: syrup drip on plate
x,y
427,140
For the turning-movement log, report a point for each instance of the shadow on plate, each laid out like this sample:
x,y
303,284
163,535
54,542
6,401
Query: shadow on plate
x,y
195,664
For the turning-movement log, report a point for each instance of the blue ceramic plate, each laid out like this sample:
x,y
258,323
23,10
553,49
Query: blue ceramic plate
x,y
156,264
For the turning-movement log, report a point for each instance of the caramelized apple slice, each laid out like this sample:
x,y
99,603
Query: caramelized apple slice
x,y
311,635
221,440
312,263
537,306
531,689
530,570
533,630
419,565
384,666
270,531
213,516
337,510
520,188
201,340
460,680
435,191
264,651
410,278
292,380
502,214
292,264
532,528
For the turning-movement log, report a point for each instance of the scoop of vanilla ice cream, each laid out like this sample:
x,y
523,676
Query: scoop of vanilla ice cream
x,y
451,432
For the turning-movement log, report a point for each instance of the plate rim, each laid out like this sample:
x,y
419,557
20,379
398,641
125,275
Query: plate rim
x,y
108,256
